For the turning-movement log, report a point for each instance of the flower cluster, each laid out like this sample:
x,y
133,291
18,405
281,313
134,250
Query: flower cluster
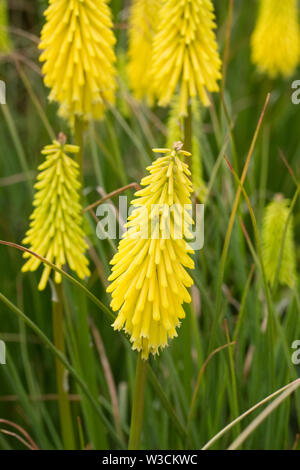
x,y
276,39
149,277
278,242
143,23
56,223
77,42
185,52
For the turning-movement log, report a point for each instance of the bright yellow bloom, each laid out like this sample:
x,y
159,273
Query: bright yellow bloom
x,y
5,42
56,222
274,228
78,41
276,40
186,52
149,279
142,25
175,130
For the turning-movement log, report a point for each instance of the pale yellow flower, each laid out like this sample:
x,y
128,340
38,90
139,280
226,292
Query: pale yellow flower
x,y
185,55
276,39
56,223
274,233
143,23
149,277
78,57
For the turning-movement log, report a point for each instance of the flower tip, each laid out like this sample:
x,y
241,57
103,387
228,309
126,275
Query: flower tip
x,y
278,197
42,286
161,150
178,146
62,138
186,154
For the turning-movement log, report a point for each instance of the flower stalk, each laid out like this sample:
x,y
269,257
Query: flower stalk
x,y
99,436
138,404
78,139
63,398
188,130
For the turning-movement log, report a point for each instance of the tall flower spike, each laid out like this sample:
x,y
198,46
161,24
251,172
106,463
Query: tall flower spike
x,y
78,41
143,23
276,39
149,279
186,52
56,223
274,226
5,42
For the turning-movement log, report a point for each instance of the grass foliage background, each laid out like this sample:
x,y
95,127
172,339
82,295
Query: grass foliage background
x,y
116,153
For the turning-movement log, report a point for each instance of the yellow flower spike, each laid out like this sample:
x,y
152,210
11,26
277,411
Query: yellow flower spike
x,y
5,42
79,60
185,52
149,280
276,40
56,223
275,219
143,23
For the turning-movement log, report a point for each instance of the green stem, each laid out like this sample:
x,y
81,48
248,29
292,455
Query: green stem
x,y
63,399
94,154
78,137
188,146
64,406
138,404
188,130
96,430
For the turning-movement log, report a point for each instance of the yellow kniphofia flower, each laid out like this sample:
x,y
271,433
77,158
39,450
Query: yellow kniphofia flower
x,y
277,224
185,52
149,279
56,223
5,42
78,41
143,23
276,39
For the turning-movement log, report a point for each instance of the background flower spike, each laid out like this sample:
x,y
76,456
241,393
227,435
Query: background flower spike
x,y
274,245
56,223
79,60
276,38
143,22
185,52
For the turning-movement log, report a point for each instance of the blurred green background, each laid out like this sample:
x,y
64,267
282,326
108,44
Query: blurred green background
x,y
117,151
